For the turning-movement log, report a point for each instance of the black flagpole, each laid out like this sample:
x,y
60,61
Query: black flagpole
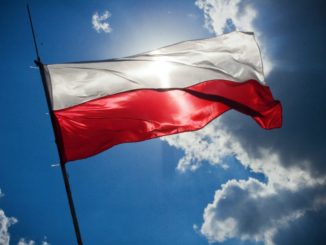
x,y
38,62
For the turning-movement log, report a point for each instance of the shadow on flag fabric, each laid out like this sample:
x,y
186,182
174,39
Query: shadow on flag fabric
x,y
174,89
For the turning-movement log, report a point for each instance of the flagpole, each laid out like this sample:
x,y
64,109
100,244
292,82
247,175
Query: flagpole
x,y
38,62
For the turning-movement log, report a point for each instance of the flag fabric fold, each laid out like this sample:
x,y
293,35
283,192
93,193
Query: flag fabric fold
x,y
178,88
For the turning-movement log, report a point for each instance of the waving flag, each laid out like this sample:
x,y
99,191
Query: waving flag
x,y
174,89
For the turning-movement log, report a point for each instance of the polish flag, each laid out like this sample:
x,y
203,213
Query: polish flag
x,y
174,89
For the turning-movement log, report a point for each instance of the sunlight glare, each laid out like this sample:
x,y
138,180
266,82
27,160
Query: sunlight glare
x,y
162,70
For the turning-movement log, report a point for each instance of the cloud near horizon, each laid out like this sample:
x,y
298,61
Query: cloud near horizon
x,y
294,192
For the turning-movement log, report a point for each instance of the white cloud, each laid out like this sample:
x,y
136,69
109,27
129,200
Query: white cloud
x,y
248,209
251,210
214,142
219,13
209,144
100,22
23,242
5,223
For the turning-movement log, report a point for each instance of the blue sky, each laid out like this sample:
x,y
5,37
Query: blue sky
x,y
230,183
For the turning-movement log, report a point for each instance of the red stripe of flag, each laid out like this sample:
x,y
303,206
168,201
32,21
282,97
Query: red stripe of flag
x,y
97,125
